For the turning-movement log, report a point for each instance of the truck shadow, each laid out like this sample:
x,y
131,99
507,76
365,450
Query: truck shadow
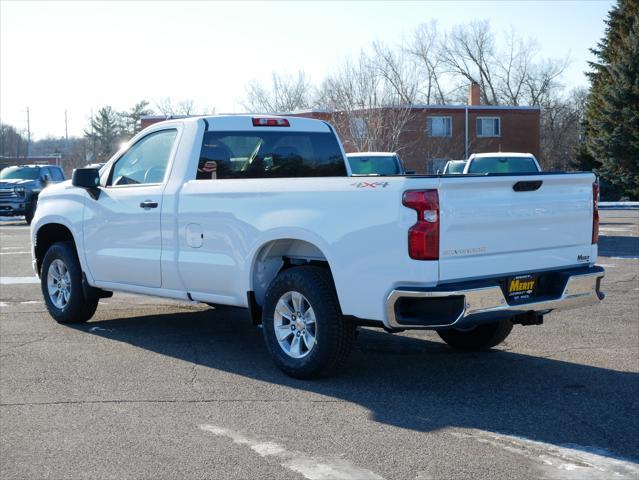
x,y
613,246
416,384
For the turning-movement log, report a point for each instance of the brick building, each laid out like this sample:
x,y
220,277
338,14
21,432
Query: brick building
x,y
433,134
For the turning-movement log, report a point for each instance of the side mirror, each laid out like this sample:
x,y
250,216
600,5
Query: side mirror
x,y
87,178
45,178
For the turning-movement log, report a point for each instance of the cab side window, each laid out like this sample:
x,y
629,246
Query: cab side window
x,y
144,162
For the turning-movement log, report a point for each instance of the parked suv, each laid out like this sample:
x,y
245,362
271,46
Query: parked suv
x,y
21,185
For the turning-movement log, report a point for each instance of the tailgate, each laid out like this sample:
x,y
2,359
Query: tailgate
x,y
488,228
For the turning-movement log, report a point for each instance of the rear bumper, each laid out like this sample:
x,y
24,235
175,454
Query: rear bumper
x,y
466,305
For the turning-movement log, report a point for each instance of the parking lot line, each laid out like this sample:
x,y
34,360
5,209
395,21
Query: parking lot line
x,y
18,280
311,467
565,461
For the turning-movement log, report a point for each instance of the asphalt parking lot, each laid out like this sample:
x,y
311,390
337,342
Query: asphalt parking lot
x,y
156,389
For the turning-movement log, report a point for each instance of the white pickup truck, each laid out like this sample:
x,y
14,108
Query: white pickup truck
x,y
261,213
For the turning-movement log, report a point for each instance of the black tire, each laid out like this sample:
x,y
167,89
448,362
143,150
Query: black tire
x,y
481,337
30,212
334,335
78,308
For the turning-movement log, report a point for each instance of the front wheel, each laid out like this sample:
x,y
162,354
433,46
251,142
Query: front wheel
x,y
481,337
303,326
61,283
30,212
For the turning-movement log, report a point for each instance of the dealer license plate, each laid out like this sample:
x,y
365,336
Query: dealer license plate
x,y
522,286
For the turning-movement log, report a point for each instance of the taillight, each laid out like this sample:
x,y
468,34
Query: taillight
x,y
423,237
595,212
270,122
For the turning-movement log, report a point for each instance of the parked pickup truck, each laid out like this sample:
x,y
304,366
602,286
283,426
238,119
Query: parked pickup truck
x,y
261,213
20,187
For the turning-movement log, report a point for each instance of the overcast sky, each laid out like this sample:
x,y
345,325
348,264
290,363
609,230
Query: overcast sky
x,y
80,56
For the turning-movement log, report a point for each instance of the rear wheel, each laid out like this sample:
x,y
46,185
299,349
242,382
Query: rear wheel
x,y
481,337
61,283
303,326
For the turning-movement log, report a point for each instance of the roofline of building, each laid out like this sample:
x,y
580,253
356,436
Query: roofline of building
x,y
474,107
429,107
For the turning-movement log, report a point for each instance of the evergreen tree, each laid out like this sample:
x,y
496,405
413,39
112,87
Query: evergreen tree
x,y
104,134
131,119
611,123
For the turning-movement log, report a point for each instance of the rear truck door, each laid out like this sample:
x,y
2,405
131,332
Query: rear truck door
x,y
499,225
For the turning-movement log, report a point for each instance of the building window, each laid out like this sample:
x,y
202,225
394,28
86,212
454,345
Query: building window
x,y
439,126
358,128
488,127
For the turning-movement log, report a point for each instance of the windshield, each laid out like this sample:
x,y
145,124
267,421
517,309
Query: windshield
x,y
503,165
455,167
374,165
20,173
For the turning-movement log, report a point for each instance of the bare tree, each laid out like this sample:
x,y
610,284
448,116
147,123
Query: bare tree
x,y
512,76
12,142
425,49
168,107
370,101
561,130
469,54
285,94
397,74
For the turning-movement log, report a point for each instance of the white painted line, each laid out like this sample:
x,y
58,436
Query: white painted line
x,y
3,304
313,468
11,248
18,280
31,302
625,257
14,253
566,462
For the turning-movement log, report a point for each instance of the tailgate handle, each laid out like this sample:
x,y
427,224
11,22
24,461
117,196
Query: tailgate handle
x,y
527,186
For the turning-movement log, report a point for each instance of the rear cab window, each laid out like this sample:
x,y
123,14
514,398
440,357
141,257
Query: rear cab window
x,y
269,154
503,165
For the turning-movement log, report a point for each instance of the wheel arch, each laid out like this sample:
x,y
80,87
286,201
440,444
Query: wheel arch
x,y
278,254
47,235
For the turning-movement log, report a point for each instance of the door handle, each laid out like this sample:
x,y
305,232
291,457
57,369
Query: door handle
x,y
149,204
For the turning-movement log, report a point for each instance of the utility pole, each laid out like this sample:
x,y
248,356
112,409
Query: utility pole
x,y
28,134
66,130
